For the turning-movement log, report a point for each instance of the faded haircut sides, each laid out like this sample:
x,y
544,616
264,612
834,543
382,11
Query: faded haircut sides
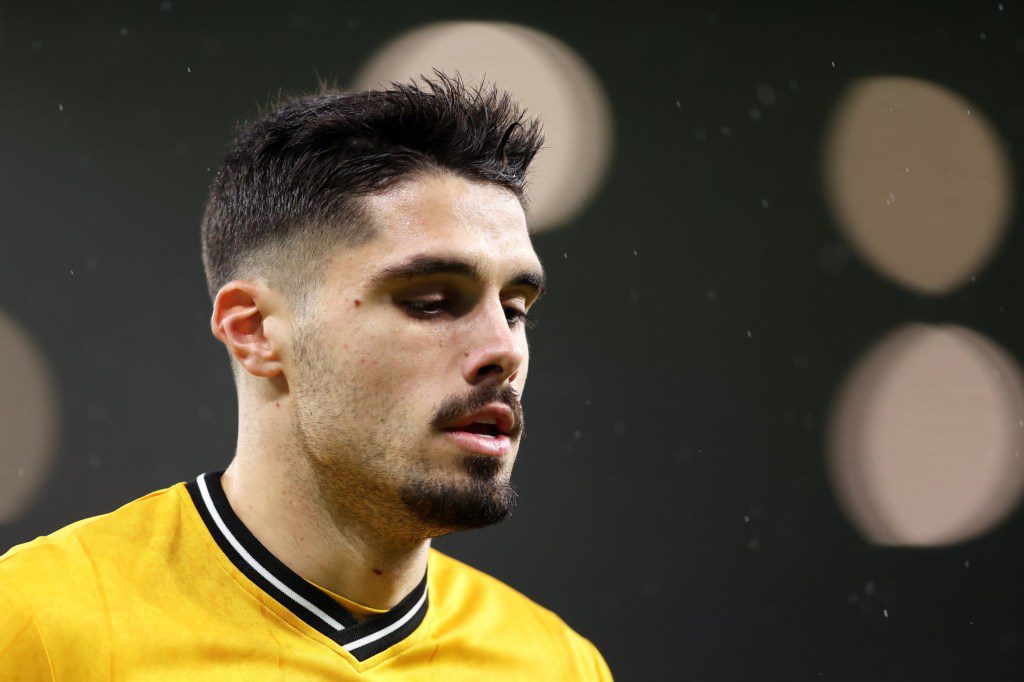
x,y
289,188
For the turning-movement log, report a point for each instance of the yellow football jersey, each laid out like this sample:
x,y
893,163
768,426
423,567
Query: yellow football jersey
x,y
174,586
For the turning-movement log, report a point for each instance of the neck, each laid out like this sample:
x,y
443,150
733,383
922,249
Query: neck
x,y
287,507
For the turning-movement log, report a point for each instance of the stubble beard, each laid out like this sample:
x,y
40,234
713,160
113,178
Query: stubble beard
x,y
363,469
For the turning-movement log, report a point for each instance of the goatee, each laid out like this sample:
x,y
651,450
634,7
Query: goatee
x,y
448,506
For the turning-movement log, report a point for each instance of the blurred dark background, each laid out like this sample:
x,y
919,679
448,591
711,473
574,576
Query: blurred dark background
x,y
705,309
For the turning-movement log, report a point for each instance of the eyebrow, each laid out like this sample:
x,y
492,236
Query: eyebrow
x,y
426,265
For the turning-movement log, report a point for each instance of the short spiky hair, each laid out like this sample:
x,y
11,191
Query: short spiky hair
x,y
289,186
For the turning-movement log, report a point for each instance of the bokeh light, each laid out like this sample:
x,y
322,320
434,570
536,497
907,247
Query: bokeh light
x,y
28,419
926,440
918,181
547,76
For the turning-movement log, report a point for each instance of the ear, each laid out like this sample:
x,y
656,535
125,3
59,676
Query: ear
x,y
242,319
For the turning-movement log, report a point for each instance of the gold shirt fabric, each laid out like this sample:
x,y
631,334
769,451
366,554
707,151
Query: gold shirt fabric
x,y
173,586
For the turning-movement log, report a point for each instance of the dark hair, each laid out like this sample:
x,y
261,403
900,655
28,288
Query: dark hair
x,y
289,186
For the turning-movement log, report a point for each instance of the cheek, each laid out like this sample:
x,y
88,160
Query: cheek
x,y
396,364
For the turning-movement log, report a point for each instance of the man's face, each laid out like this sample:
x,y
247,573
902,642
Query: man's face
x,y
412,333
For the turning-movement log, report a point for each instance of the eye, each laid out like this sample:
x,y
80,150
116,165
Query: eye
x,y
514,316
430,308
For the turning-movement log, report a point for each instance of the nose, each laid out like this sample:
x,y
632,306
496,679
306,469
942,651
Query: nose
x,y
495,351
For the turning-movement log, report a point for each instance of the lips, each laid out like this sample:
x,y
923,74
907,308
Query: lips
x,y
479,443
495,420
485,431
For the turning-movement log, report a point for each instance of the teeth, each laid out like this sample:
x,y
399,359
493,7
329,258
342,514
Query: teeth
x,y
487,420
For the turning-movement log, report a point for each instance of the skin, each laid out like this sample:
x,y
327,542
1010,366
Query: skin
x,y
341,406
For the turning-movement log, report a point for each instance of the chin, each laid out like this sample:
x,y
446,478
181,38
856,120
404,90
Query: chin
x,y
483,468
484,498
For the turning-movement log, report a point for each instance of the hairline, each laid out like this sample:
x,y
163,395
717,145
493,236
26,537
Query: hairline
x,y
357,210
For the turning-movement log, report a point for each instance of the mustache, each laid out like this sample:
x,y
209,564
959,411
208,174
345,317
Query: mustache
x,y
455,407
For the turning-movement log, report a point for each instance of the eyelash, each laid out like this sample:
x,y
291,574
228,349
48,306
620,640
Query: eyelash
x,y
529,320
424,308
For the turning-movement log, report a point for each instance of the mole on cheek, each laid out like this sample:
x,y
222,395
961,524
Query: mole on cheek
x,y
377,571
357,302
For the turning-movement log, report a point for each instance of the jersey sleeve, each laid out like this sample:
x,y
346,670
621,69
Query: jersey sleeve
x,y
23,654
595,663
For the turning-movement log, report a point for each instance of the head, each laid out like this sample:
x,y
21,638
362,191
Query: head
x,y
370,265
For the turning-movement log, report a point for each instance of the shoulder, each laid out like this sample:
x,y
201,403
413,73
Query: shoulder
x,y
54,590
71,559
460,583
22,645
482,603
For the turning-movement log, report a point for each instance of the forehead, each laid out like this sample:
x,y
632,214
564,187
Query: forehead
x,y
479,221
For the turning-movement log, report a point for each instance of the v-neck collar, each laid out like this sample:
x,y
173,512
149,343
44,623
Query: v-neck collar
x,y
361,639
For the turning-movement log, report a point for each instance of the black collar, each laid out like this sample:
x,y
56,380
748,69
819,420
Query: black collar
x,y
361,639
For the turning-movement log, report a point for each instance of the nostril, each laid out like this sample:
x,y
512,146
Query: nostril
x,y
491,369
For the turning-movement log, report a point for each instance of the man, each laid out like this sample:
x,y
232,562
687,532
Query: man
x,y
371,274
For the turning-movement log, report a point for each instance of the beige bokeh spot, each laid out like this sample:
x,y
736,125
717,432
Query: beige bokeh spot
x,y
28,419
918,181
545,75
926,437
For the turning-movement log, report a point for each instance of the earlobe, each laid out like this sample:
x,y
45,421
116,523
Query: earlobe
x,y
240,324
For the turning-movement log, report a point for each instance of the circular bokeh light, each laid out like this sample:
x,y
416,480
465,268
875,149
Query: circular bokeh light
x,y
918,181
28,410
544,74
926,439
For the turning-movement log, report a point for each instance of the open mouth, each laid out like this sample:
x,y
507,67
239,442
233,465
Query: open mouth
x,y
483,429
